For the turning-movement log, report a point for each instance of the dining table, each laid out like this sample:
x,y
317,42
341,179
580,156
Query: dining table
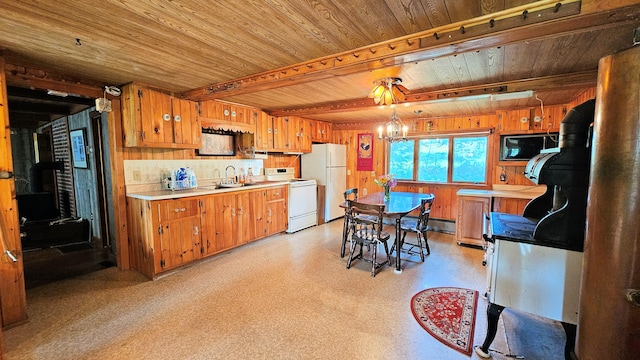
x,y
399,204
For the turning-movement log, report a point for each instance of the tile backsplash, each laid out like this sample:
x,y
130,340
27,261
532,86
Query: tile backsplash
x,y
147,175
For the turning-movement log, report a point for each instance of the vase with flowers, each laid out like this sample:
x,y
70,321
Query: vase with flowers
x,y
387,182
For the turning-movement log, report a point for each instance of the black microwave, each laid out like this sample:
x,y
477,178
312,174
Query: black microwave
x,y
524,147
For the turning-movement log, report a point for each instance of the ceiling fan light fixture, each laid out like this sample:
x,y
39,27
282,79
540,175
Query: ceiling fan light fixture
x,y
388,91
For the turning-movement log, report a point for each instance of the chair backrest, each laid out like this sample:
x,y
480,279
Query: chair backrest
x,y
351,194
366,220
425,210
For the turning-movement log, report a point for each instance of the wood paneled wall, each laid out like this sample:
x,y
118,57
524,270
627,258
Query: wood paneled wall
x,y
503,122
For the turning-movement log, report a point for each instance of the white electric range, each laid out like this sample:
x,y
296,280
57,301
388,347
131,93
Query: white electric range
x,y
303,201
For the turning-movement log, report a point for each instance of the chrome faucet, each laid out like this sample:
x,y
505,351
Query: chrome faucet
x,y
226,173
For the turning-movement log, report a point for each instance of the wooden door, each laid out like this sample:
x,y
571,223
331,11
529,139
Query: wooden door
x,y
13,299
156,117
257,214
243,214
186,123
304,126
280,133
226,223
293,133
171,244
264,132
207,223
471,213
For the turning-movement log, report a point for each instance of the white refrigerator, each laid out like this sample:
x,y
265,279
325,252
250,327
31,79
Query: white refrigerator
x,y
327,164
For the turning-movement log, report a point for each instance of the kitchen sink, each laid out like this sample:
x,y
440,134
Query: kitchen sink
x,y
231,185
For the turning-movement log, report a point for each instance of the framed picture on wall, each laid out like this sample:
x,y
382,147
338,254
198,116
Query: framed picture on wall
x,y
78,148
365,152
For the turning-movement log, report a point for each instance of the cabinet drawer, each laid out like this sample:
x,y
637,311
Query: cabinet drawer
x,y
178,208
276,193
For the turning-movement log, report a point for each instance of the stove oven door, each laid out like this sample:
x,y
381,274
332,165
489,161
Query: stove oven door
x,y
303,206
540,280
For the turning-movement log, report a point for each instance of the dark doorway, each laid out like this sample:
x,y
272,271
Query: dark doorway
x,y
62,206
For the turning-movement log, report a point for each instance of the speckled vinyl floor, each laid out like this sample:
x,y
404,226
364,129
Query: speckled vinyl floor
x,y
285,297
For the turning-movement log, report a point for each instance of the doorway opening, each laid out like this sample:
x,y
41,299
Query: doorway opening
x,y
59,156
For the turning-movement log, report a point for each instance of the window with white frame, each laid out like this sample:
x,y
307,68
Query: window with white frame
x,y
455,158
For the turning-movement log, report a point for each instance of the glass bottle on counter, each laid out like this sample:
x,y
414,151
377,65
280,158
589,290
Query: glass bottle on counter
x,y
250,175
241,176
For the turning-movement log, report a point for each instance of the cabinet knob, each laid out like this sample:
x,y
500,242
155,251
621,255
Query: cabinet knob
x,y
177,118
166,117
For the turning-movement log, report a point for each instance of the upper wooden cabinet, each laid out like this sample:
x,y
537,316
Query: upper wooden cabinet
x,y
282,134
320,131
220,110
154,119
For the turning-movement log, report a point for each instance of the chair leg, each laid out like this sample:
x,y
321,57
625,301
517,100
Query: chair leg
x,y
419,236
426,243
345,235
373,263
388,253
351,251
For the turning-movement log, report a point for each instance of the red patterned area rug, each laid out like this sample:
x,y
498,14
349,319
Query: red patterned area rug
x,y
448,314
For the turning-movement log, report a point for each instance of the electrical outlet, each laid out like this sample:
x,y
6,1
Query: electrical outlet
x,y
364,192
348,172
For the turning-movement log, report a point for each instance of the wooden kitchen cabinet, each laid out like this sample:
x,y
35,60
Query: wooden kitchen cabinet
x,y
276,211
163,234
471,213
282,134
225,111
258,222
154,119
320,131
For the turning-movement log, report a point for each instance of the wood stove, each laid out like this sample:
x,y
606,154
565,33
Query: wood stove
x,y
535,259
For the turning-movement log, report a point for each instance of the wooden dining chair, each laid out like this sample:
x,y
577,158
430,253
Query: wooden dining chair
x,y
365,228
349,195
419,226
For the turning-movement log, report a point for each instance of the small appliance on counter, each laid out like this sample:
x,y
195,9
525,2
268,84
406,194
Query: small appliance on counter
x,y
180,179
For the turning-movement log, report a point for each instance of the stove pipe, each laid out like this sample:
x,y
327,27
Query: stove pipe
x,y
575,128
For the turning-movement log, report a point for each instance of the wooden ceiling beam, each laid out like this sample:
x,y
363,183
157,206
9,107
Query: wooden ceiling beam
x,y
566,81
25,77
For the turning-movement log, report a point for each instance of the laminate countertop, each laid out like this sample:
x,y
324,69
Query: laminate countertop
x,y
200,191
506,191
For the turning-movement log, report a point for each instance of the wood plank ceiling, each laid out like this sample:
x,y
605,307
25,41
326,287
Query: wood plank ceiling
x,y
283,56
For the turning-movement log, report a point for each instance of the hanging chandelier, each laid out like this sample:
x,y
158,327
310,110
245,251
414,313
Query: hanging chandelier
x,y
396,130
388,91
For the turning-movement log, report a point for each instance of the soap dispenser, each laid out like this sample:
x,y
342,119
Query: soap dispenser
x,y
241,176
250,176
